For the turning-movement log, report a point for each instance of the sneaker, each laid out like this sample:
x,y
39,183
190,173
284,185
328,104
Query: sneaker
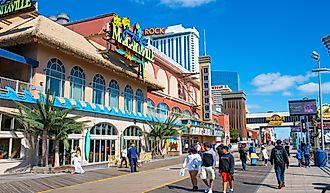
x,y
231,190
195,188
265,164
210,191
207,189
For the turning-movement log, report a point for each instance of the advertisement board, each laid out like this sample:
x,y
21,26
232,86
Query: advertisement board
x,y
302,107
10,7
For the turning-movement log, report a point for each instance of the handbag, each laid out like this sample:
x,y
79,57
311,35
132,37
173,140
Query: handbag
x,y
182,172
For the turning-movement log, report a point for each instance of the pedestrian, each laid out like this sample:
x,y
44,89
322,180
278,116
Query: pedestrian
x,y
243,156
230,147
265,155
198,147
193,163
133,155
208,166
226,169
307,155
279,158
123,155
251,149
76,161
219,150
299,157
287,148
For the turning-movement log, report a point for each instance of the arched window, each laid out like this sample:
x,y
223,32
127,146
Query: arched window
x,y
128,98
114,94
163,110
139,101
132,131
186,114
103,142
98,89
176,111
151,107
104,129
77,83
55,77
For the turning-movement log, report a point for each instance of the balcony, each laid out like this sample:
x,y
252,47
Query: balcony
x,y
17,85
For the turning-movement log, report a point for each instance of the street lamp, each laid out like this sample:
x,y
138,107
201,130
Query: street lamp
x,y
326,42
316,57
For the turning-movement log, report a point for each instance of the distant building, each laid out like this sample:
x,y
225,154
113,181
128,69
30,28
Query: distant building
x,y
217,92
226,78
234,106
179,43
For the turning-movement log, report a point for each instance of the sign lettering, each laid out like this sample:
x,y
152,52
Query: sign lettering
x,y
129,41
205,82
154,31
275,120
13,6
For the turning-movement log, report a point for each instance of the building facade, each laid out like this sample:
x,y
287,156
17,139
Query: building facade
x,y
106,87
226,78
234,106
181,44
217,92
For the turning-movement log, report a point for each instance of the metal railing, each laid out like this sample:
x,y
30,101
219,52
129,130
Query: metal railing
x,y
18,86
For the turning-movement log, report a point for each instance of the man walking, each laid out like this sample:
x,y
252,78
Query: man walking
x,y
226,169
279,158
123,156
208,165
243,156
306,152
133,155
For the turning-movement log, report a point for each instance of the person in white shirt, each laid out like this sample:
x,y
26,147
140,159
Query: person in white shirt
x,y
123,157
77,164
193,163
265,154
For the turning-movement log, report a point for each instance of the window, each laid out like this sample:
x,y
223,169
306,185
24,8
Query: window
x,y
150,107
163,110
98,89
102,146
177,111
186,114
133,131
128,99
77,83
139,101
195,116
114,94
55,77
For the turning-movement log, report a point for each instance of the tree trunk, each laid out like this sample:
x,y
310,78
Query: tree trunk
x,y
44,149
57,153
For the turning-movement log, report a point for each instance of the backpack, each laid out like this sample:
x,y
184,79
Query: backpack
x,y
278,156
207,159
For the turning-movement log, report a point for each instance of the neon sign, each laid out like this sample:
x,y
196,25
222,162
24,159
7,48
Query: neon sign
x,y
275,120
129,41
206,91
154,31
13,6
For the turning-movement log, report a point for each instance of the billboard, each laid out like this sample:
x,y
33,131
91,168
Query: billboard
x,y
303,107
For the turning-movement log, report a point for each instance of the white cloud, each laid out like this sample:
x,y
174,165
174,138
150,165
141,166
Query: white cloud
x,y
312,87
185,3
177,3
253,106
286,93
275,82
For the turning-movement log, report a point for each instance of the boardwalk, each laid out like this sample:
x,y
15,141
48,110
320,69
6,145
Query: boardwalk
x,y
40,182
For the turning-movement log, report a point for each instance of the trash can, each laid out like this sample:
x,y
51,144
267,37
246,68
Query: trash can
x,y
320,158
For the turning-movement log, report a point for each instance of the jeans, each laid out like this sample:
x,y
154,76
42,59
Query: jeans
x,y
244,164
123,160
307,159
280,171
132,163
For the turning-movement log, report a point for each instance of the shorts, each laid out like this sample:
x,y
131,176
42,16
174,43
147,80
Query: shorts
x,y
227,177
207,173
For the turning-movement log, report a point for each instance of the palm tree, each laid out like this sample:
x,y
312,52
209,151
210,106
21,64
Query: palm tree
x,y
44,120
160,131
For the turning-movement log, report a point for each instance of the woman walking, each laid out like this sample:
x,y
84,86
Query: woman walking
x,y
265,154
193,162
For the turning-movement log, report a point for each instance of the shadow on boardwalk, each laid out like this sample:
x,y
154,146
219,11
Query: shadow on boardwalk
x,y
260,185
322,186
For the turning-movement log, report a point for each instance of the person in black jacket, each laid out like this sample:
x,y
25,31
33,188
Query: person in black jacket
x,y
243,156
226,169
279,158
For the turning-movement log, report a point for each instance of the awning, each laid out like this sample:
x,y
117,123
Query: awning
x,y
18,58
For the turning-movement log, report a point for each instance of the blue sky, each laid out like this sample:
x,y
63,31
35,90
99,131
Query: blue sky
x,y
268,42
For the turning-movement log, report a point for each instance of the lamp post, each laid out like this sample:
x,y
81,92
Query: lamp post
x,y
316,57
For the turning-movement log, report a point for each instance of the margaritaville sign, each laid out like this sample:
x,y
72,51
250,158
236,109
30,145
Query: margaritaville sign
x,y
14,6
129,40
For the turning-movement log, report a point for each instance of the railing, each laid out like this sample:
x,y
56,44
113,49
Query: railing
x,y
18,86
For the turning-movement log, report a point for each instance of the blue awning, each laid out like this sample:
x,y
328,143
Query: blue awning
x,y
18,58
